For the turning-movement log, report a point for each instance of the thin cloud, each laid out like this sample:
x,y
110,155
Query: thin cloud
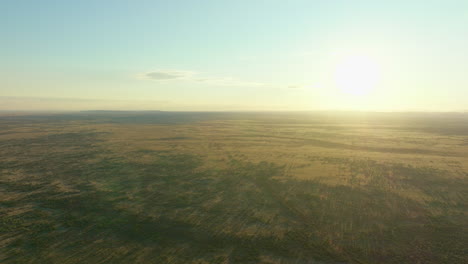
x,y
190,76
296,86
175,75
229,82
164,75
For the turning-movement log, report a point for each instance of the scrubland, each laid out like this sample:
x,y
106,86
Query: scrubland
x,y
159,187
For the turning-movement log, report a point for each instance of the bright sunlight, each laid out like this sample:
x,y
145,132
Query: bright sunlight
x,y
357,74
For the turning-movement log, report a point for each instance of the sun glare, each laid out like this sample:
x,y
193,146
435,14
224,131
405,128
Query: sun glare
x,y
357,74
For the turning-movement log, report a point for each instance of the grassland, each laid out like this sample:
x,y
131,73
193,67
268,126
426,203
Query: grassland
x,y
158,187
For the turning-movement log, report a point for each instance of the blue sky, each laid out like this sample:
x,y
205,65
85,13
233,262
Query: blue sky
x,y
233,55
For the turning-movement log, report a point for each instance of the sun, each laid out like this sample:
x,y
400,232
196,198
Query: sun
x,y
357,74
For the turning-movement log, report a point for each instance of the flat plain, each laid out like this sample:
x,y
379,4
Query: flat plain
x,y
268,187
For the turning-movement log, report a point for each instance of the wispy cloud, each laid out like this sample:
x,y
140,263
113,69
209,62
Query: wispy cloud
x,y
295,86
176,75
164,75
195,77
230,82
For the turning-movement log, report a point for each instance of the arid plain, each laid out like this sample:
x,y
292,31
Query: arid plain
x,y
276,187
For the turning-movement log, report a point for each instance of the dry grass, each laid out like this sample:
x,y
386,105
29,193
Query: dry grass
x,y
233,188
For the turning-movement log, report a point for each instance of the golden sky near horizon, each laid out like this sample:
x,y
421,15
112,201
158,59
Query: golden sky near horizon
x,y
243,55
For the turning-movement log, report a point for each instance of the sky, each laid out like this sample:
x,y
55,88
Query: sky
x,y
216,55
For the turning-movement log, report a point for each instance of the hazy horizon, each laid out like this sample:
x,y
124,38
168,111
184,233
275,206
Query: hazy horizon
x,y
46,105
234,56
